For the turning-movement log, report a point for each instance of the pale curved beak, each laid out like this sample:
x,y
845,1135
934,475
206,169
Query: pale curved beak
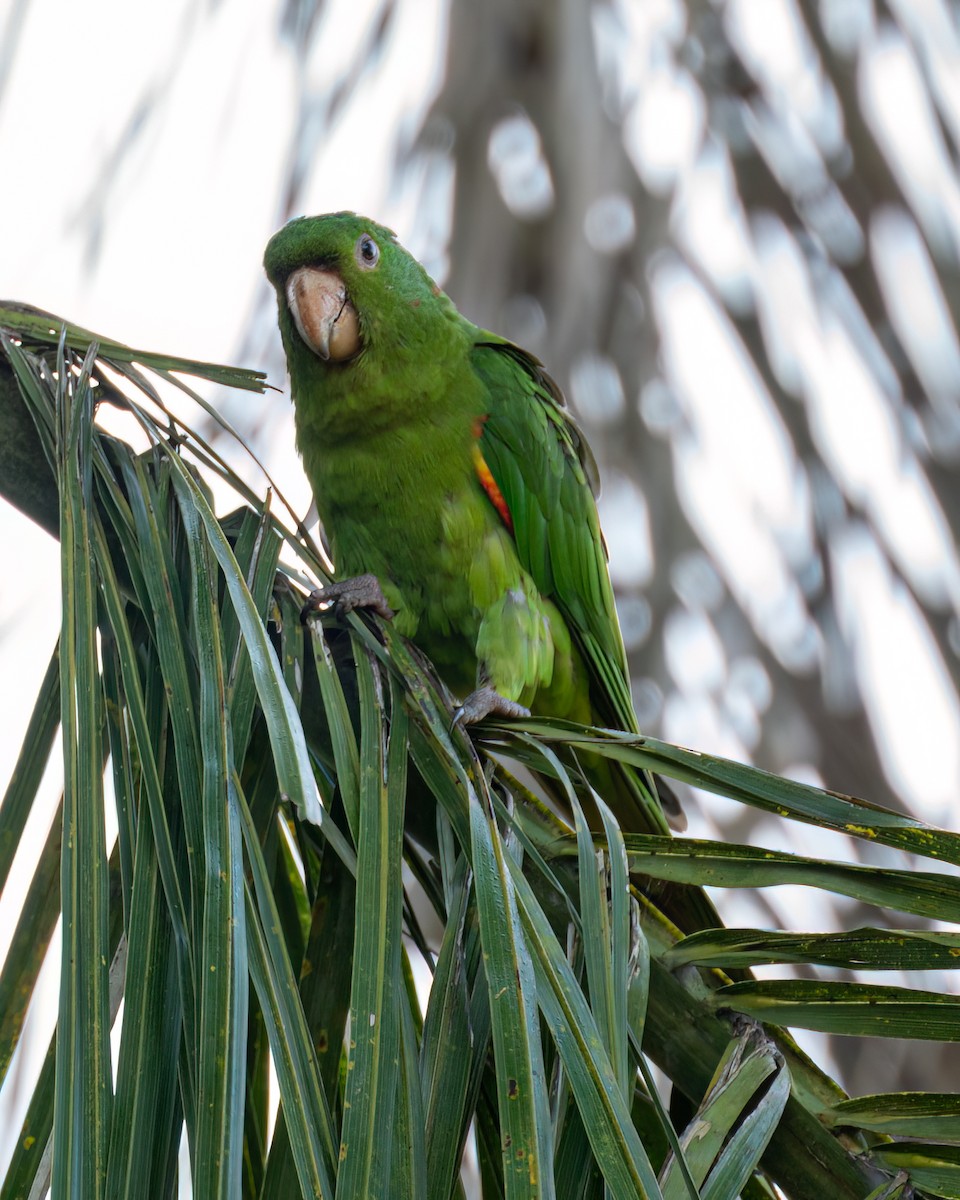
x,y
323,314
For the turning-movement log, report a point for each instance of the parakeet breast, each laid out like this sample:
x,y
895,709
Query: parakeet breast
x,y
406,505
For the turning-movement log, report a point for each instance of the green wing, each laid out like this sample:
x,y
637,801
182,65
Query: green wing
x,y
546,473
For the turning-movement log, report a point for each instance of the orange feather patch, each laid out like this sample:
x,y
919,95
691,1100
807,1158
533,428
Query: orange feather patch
x,y
487,481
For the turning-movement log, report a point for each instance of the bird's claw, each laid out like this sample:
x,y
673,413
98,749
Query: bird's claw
x,y
484,702
362,591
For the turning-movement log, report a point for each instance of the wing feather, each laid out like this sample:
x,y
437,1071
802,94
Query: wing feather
x,y
547,475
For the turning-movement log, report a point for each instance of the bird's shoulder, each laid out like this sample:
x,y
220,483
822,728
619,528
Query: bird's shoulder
x,y
527,409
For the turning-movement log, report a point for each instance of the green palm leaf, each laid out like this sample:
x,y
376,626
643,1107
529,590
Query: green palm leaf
x,y
302,835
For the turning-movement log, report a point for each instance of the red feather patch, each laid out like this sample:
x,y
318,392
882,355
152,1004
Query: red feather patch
x,y
487,481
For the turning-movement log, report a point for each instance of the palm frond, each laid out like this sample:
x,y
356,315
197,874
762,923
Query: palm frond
x,y
271,782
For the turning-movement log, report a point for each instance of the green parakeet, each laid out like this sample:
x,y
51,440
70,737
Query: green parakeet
x,y
447,470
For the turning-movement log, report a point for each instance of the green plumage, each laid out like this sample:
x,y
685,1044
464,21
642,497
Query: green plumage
x,y
396,438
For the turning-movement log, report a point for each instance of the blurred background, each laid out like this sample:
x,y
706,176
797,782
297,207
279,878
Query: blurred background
x,y
730,229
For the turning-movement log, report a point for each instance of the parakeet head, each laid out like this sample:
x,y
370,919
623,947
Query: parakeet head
x,y
347,290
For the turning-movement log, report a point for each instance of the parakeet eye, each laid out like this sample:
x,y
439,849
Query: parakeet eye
x,y
366,252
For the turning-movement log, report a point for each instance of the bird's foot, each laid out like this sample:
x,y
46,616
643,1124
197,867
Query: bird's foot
x,y
362,591
484,702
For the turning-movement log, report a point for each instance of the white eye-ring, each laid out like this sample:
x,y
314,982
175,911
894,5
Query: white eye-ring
x,y
366,252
